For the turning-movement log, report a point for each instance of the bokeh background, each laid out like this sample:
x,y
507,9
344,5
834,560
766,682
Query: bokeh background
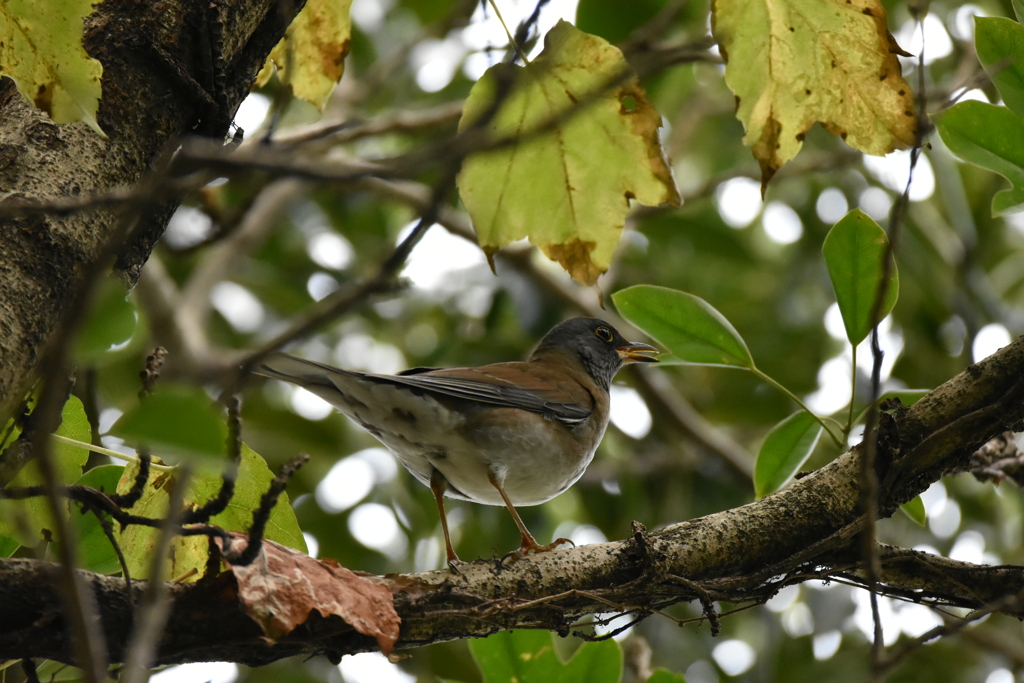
x,y
758,262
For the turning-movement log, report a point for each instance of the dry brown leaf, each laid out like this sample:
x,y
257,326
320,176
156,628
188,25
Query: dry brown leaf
x,y
281,587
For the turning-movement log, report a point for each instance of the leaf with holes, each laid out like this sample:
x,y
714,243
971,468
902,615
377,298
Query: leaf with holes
x,y
190,553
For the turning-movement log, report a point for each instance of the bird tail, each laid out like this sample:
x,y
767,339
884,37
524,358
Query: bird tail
x,y
288,368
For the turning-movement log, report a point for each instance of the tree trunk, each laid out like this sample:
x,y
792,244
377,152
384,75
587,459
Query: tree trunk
x,y
169,69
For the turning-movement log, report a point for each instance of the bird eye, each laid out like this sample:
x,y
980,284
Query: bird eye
x,y
604,334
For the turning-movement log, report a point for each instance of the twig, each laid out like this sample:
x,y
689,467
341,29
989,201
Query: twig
x,y
89,641
707,604
946,629
151,373
108,531
216,505
28,667
869,495
262,514
347,131
154,608
85,389
339,302
216,265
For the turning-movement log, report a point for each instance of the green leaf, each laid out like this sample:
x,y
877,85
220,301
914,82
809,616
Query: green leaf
x,y
30,521
569,188
428,11
253,480
1000,45
111,322
785,450
529,657
176,419
991,137
1018,9
8,546
666,676
691,329
915,510
53,671
854,249
615,20
95,553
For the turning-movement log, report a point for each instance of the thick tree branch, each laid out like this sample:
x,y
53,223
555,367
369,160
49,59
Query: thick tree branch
x,y
808,531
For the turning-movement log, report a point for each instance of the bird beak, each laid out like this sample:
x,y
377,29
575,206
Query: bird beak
x,y
635,352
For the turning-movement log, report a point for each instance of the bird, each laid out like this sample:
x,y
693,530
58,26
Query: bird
x,y
514,433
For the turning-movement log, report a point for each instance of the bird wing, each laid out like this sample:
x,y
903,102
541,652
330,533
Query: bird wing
x,y
510,385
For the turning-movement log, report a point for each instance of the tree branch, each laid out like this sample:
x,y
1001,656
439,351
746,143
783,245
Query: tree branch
x,y
807,531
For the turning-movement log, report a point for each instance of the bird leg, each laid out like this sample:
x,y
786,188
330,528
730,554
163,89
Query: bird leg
x,y
529,543
438,485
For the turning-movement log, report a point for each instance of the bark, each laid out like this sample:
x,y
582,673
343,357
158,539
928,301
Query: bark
x,y
805,532
170,69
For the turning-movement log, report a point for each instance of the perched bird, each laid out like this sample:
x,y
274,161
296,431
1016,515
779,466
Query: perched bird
x,y
507,434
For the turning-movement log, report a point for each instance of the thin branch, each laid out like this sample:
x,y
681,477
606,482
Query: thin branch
x,y
155,606
219,261
337,133
869,495
261,515
219,503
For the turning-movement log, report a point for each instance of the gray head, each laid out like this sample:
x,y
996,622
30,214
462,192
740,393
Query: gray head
x,y
598,345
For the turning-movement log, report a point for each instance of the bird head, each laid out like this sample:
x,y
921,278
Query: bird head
x,y
600,348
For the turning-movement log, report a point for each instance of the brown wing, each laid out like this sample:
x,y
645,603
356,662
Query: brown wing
x,y
522,385
512,385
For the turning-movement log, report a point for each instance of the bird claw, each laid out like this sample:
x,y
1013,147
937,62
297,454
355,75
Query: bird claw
x,y
453,565
531,546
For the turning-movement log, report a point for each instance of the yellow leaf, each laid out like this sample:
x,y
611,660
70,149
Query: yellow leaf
x,y
41,49
793,62
567,188
311,56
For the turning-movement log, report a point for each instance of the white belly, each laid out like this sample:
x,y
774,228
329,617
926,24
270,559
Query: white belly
x,y
424,435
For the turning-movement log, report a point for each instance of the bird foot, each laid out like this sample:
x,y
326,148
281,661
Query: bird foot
x,y
454,564
531,546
